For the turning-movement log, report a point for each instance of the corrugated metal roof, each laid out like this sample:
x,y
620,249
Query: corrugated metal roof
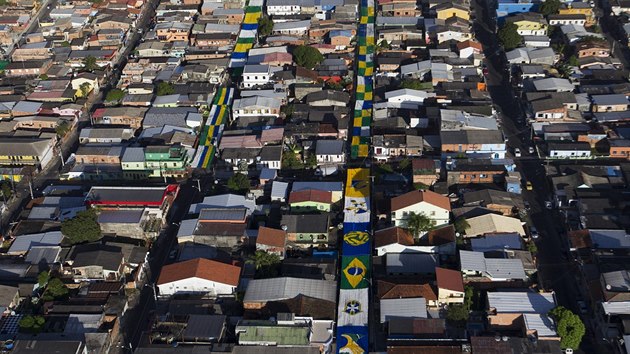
x,y
494,268
542,324
279,190
411,262
25,242
43,254
263,290
497,242
120,216
224,214
320,186
403,308
521,302
616,308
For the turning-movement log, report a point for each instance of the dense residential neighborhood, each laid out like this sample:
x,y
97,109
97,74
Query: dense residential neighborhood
x,y
315,176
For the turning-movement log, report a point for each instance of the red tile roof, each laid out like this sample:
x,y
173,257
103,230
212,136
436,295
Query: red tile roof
x,y
392,235
310,195
449,279
390,290
414,197
271,237
201,268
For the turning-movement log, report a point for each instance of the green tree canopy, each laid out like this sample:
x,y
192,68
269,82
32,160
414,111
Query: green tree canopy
x,y
83,227
31,324
62,129
165,88
267,264
265,26
415,84
569,326
418,223
461,224
115,95
509,36
89,63
292,158
42,278
238,183
55,290
549,7
85,88
5,189
307,56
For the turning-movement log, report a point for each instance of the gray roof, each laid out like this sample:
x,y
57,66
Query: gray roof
x,y
223,214
159,116
204,327
133,154
34,346
24,243
411,263
617,281
415,307
306,223
329,147
279,189
493,242
108,257
521,302
43,254
609,239
24,146
7,294
224,201
553,84
120,216
320,186
275,289
542,324
494,268
606,100
472,137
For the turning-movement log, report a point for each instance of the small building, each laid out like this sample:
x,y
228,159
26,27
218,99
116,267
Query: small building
x,y
330,152
272,241
403,308
307,229
450,286
571,150
199,277
260,292
431,204
95,262
609,103
310,200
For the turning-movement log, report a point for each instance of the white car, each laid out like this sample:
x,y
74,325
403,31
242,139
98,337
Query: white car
x,y
533,232
531,150
517,152
548,204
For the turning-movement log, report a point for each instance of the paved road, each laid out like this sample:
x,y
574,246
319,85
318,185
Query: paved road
x,y
555,272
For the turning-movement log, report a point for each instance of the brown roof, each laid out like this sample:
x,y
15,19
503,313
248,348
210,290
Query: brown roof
x,y
489,345
469,43
306,73
422,164
201,268
417,326
389,290
220,229
441,236
579,239
414,197
310,195
449,279
271,237
302,306
392,235
428,349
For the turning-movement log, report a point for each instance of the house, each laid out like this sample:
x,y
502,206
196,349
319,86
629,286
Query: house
x,y
272,241
283,8
199,276
592,48
425,171
529,24
411,264
105,135
511,7
396,146
17,152
580,8
23,243
571,150
9,298
341,39
403,308
489,143
335,188
292,28
475,265
95,262
279,191
542,106
398,240
566,19
497,242
449,9
619,148
129,116
173,31
450,286
32,346
305,230
256,106
609,103
407,98
431,204
493,223
260,292
394,288
553,84
218,227
502,202
468,49
508,310
310,200
330,152
27,68
327,98
256,75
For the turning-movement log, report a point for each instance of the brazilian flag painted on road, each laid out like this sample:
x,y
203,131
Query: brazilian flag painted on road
x,y
355,272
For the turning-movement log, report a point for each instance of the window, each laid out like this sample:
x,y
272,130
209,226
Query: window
x,y
433,213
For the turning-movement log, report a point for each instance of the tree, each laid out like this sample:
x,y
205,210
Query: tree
x,y
457,314
418,223
383,45
42,278
5,189
306,56
461,224
266,264
62,129
311,161
31,324
413,84
115,95
265,26
292,159
573,61
165,88
238,183
509,36
531,247
89,63
55,290
83,227
85,89
569,326
549,7
43,77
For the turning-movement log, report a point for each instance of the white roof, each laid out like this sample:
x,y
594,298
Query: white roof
x,y
492,223
223,201
616,308
274,289
493,268
403,308
279,190
521,302
553,84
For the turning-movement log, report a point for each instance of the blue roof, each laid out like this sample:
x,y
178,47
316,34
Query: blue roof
x,y
343,33
497,242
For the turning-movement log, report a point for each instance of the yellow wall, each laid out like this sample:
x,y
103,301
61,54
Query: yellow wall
x,y
453,12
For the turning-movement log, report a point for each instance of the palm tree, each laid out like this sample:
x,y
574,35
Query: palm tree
x,y
266,264
418,223
461,224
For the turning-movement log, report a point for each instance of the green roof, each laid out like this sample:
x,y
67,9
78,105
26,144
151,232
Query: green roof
x,y
280,335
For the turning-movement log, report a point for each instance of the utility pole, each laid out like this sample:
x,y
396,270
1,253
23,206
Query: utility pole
x,y
30,186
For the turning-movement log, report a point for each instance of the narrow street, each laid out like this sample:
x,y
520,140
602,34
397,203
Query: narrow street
x,y
555,272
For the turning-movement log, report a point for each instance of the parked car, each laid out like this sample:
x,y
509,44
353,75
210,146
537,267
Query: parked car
x,y
517,152
582,306
532,150
527,206
529,186
548,204
533,232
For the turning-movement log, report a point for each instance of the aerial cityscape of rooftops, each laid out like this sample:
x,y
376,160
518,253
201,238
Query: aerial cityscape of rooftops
x,y
315,176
